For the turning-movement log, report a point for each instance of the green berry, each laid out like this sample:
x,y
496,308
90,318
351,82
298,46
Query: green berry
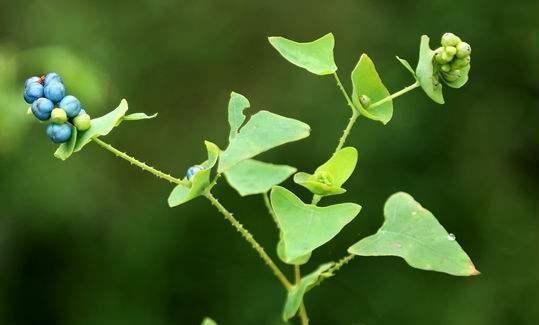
x,y
460,63
446,58
438,55
445,68
450,50
58,116
365,101
450,39
463,50
82,122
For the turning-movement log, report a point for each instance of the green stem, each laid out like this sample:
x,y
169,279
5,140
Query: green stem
x,y
395,95
140,164
249,238
331,271
347,130
302,310
341,87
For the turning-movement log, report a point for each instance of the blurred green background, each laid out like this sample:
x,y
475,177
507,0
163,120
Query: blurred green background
x,y
92,241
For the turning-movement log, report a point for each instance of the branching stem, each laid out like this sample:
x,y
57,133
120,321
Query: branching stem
x,y
395,95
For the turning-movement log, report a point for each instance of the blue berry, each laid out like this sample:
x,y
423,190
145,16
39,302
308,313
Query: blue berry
x,y
33,92
192,171
71,105
59,133
53,76
42,108
54,91
32,80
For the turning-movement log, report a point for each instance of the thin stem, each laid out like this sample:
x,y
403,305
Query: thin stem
x,y
316,199
270,209
395,95
341,87
249,238
140,164
331,271
347,130
302,310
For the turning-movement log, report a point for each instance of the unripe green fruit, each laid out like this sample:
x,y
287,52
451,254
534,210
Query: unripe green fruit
x,y
463,50
445,68
365,101
82,122
438,55
450,50
460,63
446,57
450,39
58,116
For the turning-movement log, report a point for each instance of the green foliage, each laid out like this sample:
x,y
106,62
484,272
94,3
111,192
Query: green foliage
x,y
413,233
296,293
305,227
329,177
99,127
208,321
255,177
200,181
315,57
366,81
426,73
236,105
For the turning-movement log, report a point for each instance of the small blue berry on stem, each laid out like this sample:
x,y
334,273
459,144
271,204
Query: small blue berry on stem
x,y
32,80
55,91
59,133
33,91
71,105
42,108
192,171
53,76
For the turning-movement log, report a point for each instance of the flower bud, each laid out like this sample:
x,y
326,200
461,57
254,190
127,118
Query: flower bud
x,y
324,177
463,50
82,122
365,101
445,68
58,116
450,39
450,50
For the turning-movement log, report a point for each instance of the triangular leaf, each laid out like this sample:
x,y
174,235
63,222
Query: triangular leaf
x,y
296,293
199,182
315,56
305,227
413,233
236,105
407,66
366,81
255,177
426,74
265,130
281,253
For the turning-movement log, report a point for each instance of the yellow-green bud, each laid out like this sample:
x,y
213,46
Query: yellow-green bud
x,y
450,50
365,101
438,55
58,116
450,39
82,122
324,177
463,50
445,68
446,57
460,63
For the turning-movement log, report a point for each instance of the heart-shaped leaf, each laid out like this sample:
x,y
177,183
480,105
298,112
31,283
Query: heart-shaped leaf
x,y
236,105
329,177
316,56
99,127
263,131
296,293
413,233
305,227
426,72
366,81
199,182
255,177
281,252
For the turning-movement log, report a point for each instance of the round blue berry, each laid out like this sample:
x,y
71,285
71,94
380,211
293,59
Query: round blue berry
x,y
54,91
33,92
71,105
42,108
32,80
192,171
59,133
53,76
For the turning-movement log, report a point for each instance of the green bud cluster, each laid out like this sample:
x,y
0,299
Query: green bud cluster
x,y
452,57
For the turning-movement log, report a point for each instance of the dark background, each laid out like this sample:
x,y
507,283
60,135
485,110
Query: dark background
x,y
92,241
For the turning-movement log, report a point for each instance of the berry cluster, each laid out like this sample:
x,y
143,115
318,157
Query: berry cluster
x,y
452,57
47,95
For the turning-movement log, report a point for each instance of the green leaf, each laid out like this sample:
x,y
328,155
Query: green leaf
x,y
316,56
366,81
407,66
66,149
199,182
426,73
305,227
236,105
329,177
262,132
281,252
255,177
208,321
296,293
100,127
460,81
413,233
